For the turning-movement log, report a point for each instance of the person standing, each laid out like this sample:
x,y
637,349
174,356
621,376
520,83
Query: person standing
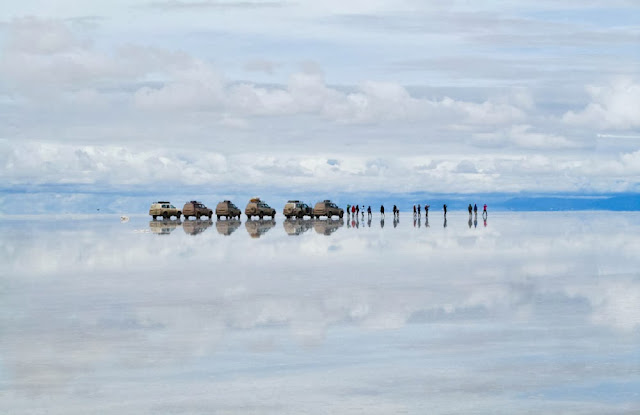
x,y
348,210
419,210
353,210
444,207
382,210
395,211
475,208
357,210
484,212
470,208
369,212
414,211
426,211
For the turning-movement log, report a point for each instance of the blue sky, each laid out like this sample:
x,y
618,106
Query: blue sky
x,y
300,97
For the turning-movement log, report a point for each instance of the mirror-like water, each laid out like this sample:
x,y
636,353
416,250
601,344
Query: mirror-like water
x,y
523,313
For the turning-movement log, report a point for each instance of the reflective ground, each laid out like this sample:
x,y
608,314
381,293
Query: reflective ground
x,y
533,313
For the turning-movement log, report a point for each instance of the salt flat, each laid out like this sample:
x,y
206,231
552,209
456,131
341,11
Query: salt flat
x,y
526,313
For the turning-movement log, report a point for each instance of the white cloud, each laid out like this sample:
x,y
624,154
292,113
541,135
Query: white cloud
x,y
613,106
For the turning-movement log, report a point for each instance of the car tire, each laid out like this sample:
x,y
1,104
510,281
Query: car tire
x,y
154,217
218,216
300,215
165,215
261,216
178,215
341,215
197,216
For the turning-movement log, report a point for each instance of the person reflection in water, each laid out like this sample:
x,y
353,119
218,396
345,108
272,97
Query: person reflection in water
x,y
369,222
382,222
445,222
470,221
395,222
475,222
426,222
419,221
485,222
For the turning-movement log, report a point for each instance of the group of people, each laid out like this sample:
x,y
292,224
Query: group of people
x,y
474,209
355,210
418,211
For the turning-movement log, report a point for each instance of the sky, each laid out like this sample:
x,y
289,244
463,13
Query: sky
x,y
277,97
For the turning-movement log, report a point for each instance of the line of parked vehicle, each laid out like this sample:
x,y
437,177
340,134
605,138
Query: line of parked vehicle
x,y
255,207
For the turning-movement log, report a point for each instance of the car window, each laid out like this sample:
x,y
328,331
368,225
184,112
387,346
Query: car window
x,y
172,207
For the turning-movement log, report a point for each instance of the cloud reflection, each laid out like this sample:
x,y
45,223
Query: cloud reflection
x,y
88,300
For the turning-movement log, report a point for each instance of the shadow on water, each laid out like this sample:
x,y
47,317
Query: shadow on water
x,y
194,227
295,227
327,226
164,227
257,228
227,227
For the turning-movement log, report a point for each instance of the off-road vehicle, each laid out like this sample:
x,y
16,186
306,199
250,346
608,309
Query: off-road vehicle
x,y
327,208
164,209
197,209
257,207
327,226
163,227
194,227
227,227
257,228
227,209
297,226
296,209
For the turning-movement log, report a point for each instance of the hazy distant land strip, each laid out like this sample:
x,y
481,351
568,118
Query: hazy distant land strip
x,y
65,200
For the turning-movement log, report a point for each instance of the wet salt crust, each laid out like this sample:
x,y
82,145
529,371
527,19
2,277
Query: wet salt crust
x,y
534,313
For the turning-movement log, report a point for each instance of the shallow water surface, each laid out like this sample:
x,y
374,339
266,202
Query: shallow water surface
x,y
523,313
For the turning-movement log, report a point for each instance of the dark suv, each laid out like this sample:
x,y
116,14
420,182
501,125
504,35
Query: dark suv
x,y
197,209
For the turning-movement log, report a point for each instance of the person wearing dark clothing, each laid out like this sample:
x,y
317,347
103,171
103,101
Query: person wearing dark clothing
x,y
444,207
470,208
395,211
419,211
414,210
475,208
357,210
369,212
426,210
382,210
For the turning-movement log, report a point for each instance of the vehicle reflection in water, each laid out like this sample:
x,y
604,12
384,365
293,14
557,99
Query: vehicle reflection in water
x,y
328,226
194,227
164,227
296,226
227,227
257,228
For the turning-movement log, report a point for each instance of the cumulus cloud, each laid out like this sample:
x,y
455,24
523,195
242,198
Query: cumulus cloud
x,y
613,106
